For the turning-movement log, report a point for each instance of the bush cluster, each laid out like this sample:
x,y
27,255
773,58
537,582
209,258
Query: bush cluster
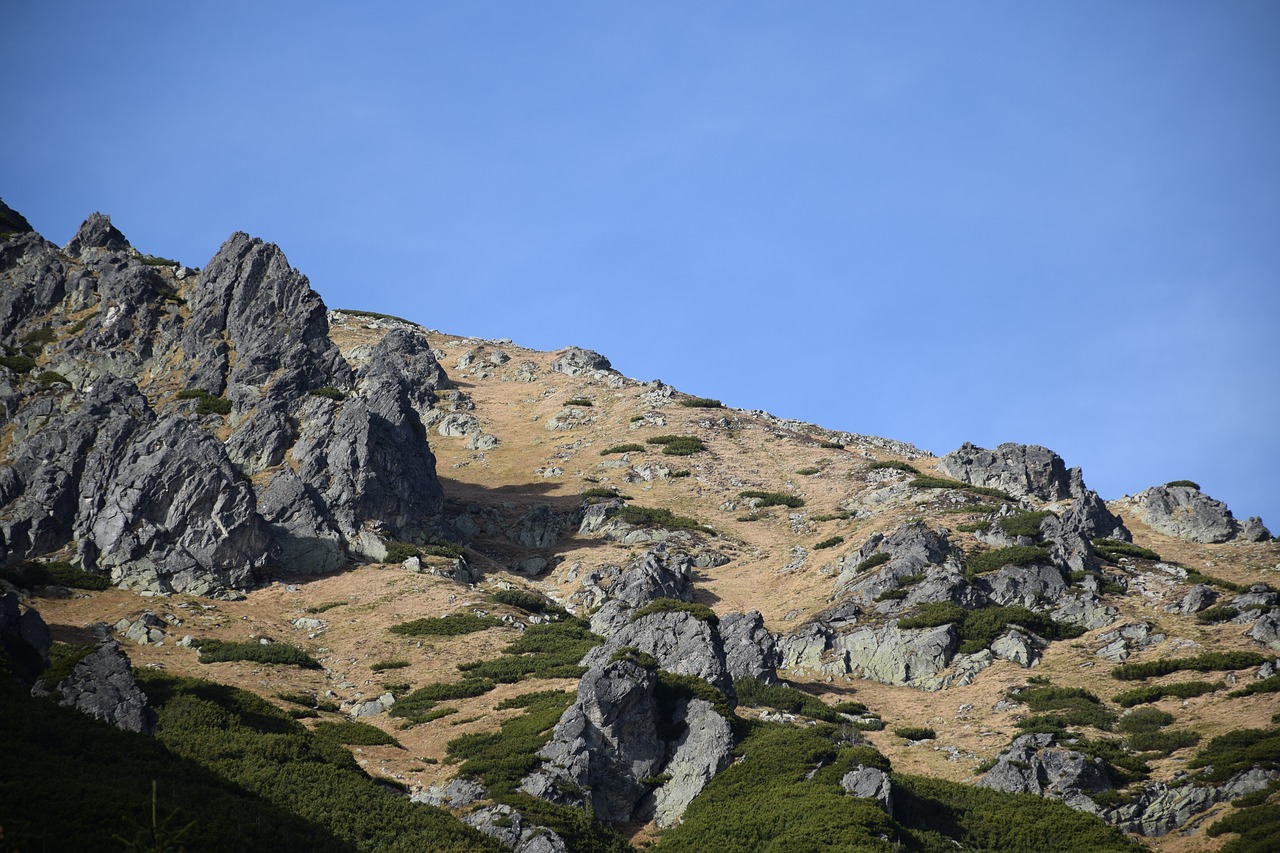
x,y
893,465
217,651
642,516
944,483
354,733
623,448
452,625
978,628
829,542
1207,662
700,612
915,733
1112,550
701,403
1015,555
1182,690
1056,708
1023,523
874,560
766,499
678,445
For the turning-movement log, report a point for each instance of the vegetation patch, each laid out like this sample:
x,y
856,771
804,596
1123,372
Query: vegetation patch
x,y
1023,523
754,693
1218,613
874,560
1207,662
839,515
354,733
206,403
1190,484
1056,708
893,465
18,363
978,628
452,625
641,516
1237,751
1146,695
51,377
701,403
678,445
944,483
831,445
375,315
808,472
974,527
329,393
32,573
765,499
327,606
701,612
623,448
1112,550
551,650
1015,555
1271,684
217,651
527,601
384,665
830,542
915,733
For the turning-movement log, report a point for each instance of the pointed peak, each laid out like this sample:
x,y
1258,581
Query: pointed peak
x,y
97,232
13,222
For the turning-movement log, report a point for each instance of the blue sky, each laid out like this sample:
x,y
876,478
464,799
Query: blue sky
x,y
1053,223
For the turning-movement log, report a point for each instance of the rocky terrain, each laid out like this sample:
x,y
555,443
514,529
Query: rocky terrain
x,y
536,605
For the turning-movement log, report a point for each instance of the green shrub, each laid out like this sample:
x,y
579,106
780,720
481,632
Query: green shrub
x,y
1144,720
943,483
765,499
1270,684
1219,613
1145,695
893,465
452,625
1190,484
1023,523
32,573
329,393
1059,707
550,650
526,601
206,403
1112,550
874,560
18,363
1207,662
635,419
414,705
307,700
641,516
831,445
384,665
579,401
447,550
623,448
701,403
978,628
915,733
897,594
808,472
700,612
974,527
63,658
398,552
828,543
754,693
839,515
1237,751
1194,576
51,377
678,445
971,509
216,651
636,656
41,336
377,316
1165,743
327,606
157,261
683,472
1258,828
1016,555
353,733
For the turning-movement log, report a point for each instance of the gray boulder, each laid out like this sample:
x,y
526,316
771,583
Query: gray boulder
x,y
1022,470
1253,530
1035,586
575,361
680,643
869,783
750,650
1033,764
1199,597
510,829
96,232
102,685
24,625
1186,513
1159,809
1021,647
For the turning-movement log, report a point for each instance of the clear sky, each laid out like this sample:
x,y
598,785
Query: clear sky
x,y
1053,223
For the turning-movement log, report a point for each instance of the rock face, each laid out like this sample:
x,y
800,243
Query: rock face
x,y
750,650
28,627
631,748
888,654
680,643
1187,513
1034,765
510,829
1022,470
277,454
102,686
1159,809
574,361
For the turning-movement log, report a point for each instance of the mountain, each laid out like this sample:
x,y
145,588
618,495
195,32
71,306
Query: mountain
x,y
367,582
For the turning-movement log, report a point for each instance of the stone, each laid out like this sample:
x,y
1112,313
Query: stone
x,y
1267,630
869,783
575,361
1199,597
1253,530
1159,809
510,829
680,643
96,232
458,793
1022,470
1184,512
102,685
1034,764
750,650
1034,585
1022,648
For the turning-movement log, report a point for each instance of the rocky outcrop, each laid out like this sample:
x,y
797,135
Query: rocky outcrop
x,y
680,642
1160,809
24,625
614,591
510,829
1187,513
575,361
869,783
631,748
1034,764
277,454
1022,470
750,650
1035,586
912,548
102,685
887,654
